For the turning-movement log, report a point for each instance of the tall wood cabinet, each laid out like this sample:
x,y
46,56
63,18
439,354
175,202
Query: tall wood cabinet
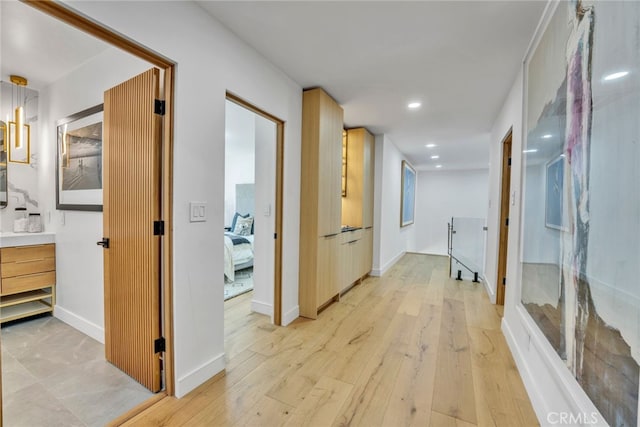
x,y
320,201
357,206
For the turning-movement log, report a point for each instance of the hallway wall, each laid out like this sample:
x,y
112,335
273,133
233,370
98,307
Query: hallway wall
x,y
443,194
210,61
390,241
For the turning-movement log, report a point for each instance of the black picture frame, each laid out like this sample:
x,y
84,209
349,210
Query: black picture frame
x,y
79,161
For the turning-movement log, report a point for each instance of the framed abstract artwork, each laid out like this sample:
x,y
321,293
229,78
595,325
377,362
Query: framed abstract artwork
x,y
580,223
407,195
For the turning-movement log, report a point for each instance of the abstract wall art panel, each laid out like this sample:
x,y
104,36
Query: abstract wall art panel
x,y
580,254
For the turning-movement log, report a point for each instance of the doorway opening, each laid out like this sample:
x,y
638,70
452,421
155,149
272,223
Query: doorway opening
x,y
162,197
253,210
503,241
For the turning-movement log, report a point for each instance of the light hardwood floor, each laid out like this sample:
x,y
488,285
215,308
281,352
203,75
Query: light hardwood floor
x,y
412,348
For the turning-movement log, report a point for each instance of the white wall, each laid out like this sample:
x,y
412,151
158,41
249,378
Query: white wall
x,y
240,155
441,195
263,264
210,61
79,261
390,241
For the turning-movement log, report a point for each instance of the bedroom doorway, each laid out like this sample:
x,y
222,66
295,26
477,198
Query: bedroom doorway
x,y
252,210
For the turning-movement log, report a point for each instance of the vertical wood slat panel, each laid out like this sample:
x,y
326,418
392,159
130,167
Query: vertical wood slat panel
x,y
131,194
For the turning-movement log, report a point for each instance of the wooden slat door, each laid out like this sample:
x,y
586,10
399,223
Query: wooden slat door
x,y
131,198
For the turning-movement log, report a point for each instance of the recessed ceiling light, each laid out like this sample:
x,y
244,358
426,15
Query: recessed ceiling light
x,y
617,75
430,145
438,166
414,105
435,157
533,150
547,136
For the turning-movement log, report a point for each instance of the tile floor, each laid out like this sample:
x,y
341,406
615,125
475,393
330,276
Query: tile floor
x,y
54,375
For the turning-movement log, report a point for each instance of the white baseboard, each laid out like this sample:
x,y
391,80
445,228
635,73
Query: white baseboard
x,y
261,307
490,290
550,385
291,315
530,384
80,323
198,376
377,272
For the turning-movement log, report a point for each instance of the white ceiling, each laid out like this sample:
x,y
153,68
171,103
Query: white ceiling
x,y
459,58
40,48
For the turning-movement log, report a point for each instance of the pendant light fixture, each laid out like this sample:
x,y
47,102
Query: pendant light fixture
x,y
19,132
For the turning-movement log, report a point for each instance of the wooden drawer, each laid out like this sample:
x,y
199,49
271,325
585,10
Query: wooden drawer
x,y
14,285
27,253
20,268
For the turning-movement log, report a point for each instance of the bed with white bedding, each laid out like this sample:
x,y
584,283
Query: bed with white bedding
x,y
238,253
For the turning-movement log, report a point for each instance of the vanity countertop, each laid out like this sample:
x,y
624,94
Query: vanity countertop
x,y
26,239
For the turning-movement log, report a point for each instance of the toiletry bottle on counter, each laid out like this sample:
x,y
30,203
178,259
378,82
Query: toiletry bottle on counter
x,y
20,221
35,223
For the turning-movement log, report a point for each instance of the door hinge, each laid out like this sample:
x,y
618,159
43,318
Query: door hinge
x,y
504,280
159,345
506,222
158,228
508,161
158,107
275,235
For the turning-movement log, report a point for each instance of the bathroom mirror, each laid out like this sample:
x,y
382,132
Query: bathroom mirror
x,y
3,165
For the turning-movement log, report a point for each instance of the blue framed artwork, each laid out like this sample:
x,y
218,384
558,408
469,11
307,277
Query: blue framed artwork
x,y
408,195
554,190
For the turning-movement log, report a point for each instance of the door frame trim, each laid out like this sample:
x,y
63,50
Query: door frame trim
x,y
102,32
277,280
501,268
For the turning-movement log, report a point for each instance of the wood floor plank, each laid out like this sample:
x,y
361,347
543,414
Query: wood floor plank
x,y
442,420
294,387
411,348
412,302
454,378
479,311
177,412
412,394
368,401
267,412
321,405
435,290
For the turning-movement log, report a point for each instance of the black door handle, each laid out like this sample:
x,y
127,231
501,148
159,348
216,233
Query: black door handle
x,y
104,243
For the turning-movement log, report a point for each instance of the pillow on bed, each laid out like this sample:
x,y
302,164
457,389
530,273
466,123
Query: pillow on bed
x,y
235,218
243,226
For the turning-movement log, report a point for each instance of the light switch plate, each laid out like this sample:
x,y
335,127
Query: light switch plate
x,y
197,211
